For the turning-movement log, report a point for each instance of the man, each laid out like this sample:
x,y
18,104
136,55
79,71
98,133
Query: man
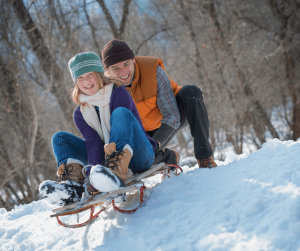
x,y
164,106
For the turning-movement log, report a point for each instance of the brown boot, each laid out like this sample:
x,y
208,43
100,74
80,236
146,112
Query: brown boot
x,y
117,162
207,163
177,157
71,172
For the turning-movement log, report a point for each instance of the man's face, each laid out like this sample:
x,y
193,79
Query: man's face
x,y
123,71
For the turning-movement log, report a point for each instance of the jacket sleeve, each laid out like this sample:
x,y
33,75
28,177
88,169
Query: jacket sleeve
x,y
93,143
167,105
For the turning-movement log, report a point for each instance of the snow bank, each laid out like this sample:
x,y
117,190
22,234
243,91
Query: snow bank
x,y
246,203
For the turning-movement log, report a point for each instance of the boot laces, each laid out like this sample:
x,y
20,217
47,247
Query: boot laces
x,y
205,162
66,175
111,160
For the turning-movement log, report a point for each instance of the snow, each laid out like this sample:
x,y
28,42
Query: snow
x,y
246,203
62,191
103,179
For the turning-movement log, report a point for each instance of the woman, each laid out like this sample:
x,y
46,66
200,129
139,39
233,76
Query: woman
x,y
112,133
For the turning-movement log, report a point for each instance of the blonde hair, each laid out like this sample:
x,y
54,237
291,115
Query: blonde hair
x,y
101,81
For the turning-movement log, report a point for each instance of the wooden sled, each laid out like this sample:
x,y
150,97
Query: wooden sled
x,y
105,200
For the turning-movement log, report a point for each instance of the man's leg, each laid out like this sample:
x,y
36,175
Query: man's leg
x,y
190,102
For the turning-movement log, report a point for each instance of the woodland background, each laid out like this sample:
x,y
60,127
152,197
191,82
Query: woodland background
x,y
243,54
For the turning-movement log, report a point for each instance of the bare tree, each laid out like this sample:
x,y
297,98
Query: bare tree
x,y
18,114
288,14
47,62
118,33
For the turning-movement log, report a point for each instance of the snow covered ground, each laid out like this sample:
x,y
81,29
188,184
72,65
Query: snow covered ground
x,y
246,203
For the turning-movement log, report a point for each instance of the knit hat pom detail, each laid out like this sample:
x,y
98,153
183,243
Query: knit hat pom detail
x,y
116,51
83,63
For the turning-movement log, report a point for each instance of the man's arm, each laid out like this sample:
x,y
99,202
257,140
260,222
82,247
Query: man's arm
x,y
167,105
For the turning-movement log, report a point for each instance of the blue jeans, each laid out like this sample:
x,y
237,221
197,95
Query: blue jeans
x,y
125,129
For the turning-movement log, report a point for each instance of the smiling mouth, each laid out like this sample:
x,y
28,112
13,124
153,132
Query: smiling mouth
x,y
124,78
89,86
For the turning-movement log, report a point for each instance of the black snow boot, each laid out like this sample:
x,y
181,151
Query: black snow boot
x,y
61,193
68,191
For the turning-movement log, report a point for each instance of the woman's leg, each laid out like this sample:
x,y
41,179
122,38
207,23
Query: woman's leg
x,y
125,129
69,148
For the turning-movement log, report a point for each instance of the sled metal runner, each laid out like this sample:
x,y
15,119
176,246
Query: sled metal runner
x,y
105,200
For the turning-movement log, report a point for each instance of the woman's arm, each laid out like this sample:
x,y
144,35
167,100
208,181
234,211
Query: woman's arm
x,y
93,143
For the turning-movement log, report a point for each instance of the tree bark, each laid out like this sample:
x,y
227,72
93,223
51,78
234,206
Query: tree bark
x,y
117,33
287,13
226,48
92,29
46,60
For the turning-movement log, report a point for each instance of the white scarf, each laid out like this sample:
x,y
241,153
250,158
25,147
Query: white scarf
x,y
100,99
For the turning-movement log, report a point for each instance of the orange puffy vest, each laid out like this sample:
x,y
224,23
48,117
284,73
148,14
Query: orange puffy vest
x,y
144,91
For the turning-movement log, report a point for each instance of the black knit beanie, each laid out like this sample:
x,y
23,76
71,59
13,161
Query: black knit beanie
x,y
116,51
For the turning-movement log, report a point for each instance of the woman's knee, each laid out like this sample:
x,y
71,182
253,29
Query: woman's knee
x,y
121,112
58,137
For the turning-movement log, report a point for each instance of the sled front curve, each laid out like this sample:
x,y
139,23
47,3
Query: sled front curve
x,y
142,188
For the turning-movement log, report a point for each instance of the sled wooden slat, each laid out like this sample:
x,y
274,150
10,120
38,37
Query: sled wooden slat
x,y
143,175
76,211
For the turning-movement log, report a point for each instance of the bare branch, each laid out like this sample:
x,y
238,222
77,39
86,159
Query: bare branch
x,y
109,18
118,33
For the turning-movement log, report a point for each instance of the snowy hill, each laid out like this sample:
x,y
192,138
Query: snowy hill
x,y
246,203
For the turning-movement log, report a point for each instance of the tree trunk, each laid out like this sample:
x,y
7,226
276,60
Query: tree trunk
x,y
117,33
287,13
294,92
226,48
46,60
12,190
17,109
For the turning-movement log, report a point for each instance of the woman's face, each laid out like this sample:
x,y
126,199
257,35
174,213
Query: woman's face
x,y
87,83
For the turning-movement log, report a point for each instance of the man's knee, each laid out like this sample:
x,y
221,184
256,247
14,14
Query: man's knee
x,y
188,92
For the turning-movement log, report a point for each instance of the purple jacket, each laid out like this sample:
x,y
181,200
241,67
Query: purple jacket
x,y
93,143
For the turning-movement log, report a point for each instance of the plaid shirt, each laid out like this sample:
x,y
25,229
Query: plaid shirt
x,y
166,100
